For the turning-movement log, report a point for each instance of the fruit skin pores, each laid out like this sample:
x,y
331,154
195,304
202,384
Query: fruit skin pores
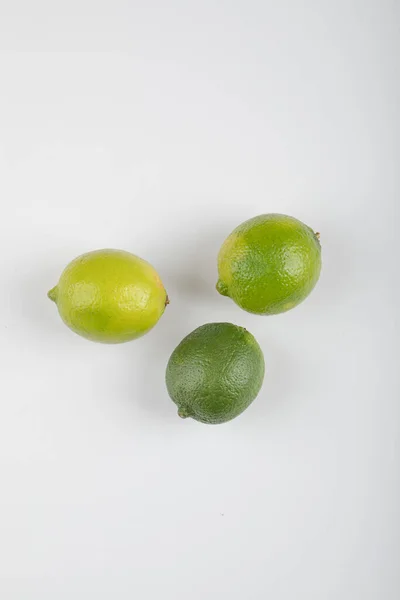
x,y
269,264
110,296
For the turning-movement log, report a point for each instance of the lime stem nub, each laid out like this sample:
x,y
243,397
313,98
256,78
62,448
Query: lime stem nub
x,y
182,413
221,288
52,294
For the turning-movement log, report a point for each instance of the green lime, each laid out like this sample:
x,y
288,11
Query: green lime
x,y
215,373
269,264
109,296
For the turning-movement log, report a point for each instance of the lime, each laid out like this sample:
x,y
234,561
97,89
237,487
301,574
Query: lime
x,y
269,264
215,373
109,296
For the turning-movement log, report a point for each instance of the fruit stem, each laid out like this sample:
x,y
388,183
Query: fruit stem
x,y
221,288
52,294
182,413
318,235
166,300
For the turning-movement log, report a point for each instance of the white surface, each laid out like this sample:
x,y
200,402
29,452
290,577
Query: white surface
x,y
157,127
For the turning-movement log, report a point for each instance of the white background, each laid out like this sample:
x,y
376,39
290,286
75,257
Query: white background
x,y
157,127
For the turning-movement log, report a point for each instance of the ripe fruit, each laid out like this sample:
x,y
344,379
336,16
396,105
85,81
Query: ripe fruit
x,y
109,296
269,264
215,373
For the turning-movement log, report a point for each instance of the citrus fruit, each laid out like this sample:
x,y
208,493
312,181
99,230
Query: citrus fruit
x,y
215,373
269,264
109,296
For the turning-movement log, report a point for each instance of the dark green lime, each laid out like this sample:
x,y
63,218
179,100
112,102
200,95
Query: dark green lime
x,y
215,373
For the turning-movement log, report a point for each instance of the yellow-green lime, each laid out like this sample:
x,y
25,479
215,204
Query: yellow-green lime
x,y
269,264
215,373
110,296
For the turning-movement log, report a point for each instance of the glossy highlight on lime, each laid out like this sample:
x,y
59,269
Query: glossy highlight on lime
x,y
269,264
110,296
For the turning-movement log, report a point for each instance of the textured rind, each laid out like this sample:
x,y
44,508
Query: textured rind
x,y
110,296
269,264
215,372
